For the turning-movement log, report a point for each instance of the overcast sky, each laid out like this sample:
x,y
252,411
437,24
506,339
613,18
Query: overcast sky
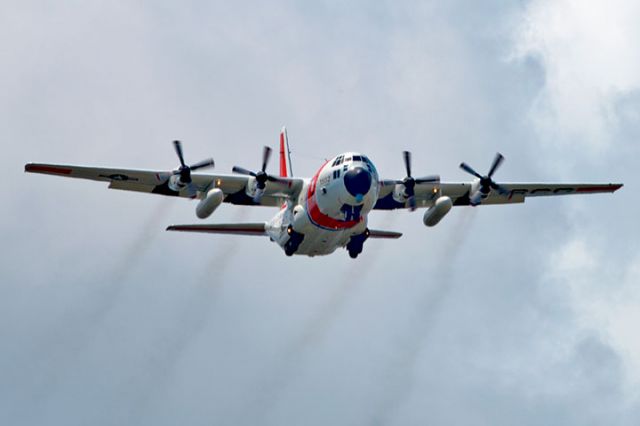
x,y
524,314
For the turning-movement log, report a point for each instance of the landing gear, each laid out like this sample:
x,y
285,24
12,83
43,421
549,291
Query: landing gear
x,y
295,239
356,243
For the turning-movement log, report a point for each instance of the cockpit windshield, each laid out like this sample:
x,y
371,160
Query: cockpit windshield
x,y
342,159
337,161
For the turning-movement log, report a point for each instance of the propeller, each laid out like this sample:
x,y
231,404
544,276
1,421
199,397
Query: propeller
x,y
486,182
410,182
261,175
185,171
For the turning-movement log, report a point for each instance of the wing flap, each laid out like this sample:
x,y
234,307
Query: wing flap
x,y
223,228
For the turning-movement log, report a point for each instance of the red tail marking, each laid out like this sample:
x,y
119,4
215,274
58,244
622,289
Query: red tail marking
x,y
283,157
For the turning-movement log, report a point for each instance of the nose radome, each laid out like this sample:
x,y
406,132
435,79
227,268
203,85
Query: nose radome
x,y
357,181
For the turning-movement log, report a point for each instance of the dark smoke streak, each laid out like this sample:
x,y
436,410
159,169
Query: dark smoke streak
x,y
190,320
399,380
314,332
72,333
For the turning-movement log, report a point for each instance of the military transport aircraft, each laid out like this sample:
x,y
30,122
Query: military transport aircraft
x,y
328,211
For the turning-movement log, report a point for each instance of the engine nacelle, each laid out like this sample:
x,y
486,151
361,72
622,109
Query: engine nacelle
x,y
436,212
175,184
477,198
209,203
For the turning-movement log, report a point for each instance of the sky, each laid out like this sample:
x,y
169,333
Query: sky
x,y
524,314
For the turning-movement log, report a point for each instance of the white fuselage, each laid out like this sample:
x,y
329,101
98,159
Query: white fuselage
x,y
332,207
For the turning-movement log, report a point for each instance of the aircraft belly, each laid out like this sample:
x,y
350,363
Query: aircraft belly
x,y
322,242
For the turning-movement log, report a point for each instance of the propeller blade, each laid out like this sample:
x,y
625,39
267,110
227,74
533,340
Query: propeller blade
x,y
178,147
467,168
266,153
407,162
428,179
242,171
496,163
501,189
203,164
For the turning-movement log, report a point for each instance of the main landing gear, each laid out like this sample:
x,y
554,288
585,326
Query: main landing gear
x,y
356,243
295,239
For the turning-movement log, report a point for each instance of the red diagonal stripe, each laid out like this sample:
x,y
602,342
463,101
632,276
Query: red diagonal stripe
x,y
599,188
47,169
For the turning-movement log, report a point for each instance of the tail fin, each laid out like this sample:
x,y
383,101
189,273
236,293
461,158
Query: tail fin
x,y
285,155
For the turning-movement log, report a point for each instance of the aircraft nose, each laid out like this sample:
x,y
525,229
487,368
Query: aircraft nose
x,y
357,181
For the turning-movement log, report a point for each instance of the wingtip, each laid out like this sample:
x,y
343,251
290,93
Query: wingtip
x,y
616,186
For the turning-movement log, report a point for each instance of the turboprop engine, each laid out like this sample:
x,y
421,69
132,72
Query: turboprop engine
x,y
181,177
436,212
483,186
209,203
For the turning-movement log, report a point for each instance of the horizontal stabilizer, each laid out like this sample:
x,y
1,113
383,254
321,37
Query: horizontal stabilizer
x,y
223,228
374,233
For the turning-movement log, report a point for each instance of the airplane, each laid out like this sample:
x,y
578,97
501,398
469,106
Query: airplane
x,y
320,214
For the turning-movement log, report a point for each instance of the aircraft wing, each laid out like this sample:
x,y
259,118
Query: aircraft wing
x,y
426,194
157,182
518,192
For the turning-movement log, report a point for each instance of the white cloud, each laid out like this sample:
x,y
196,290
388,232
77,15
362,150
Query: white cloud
x,y
590,56
602,290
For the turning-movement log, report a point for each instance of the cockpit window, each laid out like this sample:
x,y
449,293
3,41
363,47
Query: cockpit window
x,y
357,158
337,161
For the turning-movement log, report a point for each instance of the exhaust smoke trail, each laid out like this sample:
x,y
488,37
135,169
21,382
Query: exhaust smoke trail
x,y
128,261
399,379
314,332
188,323
73,332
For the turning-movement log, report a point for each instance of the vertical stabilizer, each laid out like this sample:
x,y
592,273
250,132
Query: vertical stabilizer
x,y
285,155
